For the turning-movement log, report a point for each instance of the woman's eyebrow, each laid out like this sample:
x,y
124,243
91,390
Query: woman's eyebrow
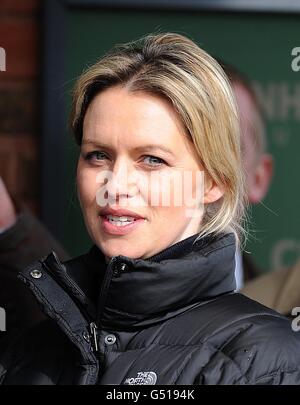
x,y
152,147
96,144
141,148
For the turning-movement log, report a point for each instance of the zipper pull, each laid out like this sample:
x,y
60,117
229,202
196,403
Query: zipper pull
x,y
94,335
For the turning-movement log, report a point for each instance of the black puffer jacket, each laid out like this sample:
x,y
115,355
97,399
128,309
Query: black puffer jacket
x,y
170,319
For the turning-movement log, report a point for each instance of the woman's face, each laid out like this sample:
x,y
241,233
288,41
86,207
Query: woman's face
x,y
133,157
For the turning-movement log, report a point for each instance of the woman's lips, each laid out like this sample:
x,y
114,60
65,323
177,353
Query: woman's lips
x,y
112,229
119,212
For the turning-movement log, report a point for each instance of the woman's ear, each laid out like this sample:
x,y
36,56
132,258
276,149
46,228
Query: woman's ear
x,y
212,192
260,178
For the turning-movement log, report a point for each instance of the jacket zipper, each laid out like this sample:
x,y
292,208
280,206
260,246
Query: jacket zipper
x,y
93,329
94,336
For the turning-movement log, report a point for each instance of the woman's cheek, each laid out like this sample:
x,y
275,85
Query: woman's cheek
x,y
87,186
157,189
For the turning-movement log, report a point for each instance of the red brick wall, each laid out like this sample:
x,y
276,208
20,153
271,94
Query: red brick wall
x,y
20,24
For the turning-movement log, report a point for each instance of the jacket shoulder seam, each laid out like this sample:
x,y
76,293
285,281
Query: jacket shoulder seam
x,y
274,373
208,252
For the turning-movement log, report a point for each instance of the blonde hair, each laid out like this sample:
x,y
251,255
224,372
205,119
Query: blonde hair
x,y
174,67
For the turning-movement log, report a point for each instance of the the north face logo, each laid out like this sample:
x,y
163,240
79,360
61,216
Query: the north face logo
x,y
143,378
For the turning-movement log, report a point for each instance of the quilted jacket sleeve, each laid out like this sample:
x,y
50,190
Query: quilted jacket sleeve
x,y
23,243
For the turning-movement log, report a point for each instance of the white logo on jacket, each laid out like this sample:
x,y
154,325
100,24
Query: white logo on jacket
x,y
143,378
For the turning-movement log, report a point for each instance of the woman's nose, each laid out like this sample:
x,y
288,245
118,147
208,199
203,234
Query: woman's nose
x,y
121,182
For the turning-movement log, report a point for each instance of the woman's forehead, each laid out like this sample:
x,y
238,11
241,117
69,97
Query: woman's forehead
x,y
141,117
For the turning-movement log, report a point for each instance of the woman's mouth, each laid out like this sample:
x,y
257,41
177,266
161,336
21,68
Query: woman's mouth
x,y
120,225
119,221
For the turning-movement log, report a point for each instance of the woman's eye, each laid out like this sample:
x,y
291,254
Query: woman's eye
x,y
154,161
95,156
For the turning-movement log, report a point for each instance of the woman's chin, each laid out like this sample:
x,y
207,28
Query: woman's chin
x,y
111,249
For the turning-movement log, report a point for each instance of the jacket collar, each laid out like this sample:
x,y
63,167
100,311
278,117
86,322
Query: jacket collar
x,y
131,293
139,292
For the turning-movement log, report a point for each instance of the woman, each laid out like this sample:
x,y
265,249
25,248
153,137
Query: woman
x,y
153,301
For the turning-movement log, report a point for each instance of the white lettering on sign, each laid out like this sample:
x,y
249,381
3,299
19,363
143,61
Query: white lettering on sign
x,y
280,249
279,101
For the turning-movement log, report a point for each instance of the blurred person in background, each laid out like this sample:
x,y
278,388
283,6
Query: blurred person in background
x,y
279,290
257,162
23,239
